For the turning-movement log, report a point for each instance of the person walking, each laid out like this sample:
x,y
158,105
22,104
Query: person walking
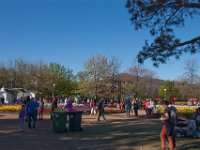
x,y
167,127
127,103
173,121
32,113
54,105
22,117
151,107
41,109
27,100
135,107
101,110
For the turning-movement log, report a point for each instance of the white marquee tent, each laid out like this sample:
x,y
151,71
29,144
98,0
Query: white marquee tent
x,y
6,94
19,92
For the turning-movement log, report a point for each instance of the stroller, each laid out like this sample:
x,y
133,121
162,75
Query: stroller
x,y
186,129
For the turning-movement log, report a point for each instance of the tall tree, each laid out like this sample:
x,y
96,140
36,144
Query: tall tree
x,y
143,84
160,17
112,80
192,77
95,70
99,76
63,82
137,73
191,74
150,84
184,89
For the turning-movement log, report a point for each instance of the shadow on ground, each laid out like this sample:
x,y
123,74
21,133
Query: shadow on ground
x,y
119,134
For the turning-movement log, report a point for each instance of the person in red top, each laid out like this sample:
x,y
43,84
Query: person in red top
x,y
147,104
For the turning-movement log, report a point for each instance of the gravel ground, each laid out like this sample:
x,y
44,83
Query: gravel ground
x,y
120,133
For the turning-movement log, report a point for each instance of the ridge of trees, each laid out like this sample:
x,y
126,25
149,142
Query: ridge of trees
x,y
100,77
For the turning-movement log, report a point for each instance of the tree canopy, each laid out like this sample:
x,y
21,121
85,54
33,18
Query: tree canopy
x,y
46,79
160,17
98,76
168,89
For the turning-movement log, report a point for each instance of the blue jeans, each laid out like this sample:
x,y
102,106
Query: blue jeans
x,y
32,117
21,123
101,113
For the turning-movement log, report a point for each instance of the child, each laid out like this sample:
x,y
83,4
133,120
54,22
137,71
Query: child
x,y
22,117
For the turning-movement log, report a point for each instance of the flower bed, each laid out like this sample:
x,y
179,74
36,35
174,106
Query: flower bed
x,y
86,108
10,107
113,110
184,111
47,108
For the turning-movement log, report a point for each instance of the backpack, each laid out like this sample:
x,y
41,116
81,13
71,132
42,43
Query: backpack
x,y
173,115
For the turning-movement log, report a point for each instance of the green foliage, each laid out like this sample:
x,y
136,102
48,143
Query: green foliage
x,y
65,87
63,79
39,77
168,90
58,71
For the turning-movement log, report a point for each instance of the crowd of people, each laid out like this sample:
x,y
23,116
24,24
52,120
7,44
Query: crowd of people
x,y
130,105
169,118
32,110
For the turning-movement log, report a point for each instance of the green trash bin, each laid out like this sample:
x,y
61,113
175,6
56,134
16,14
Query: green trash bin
x,y
59,122
75,119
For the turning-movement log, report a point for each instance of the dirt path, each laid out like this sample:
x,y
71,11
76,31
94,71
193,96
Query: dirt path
x,y
120,133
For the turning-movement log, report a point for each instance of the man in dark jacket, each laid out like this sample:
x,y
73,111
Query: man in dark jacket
x,y
101,110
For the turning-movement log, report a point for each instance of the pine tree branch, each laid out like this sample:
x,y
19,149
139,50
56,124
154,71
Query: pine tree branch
x,y
185,43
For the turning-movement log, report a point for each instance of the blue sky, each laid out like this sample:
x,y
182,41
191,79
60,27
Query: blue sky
x,y
70,31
